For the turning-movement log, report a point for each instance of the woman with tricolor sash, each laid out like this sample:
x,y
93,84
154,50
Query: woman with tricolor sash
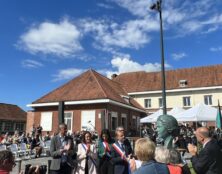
x,y
86,155
104,152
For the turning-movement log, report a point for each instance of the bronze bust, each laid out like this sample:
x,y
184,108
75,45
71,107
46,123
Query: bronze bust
x,y
167,129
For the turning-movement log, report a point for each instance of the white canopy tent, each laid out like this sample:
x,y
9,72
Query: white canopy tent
x,y
200,112
153,117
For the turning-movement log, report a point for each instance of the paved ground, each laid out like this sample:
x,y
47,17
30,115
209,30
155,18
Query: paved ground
x,y
34,162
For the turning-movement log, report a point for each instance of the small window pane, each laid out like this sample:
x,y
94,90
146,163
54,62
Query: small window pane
x,y
147,103
208,99
160,102
114,123
186,101
8,126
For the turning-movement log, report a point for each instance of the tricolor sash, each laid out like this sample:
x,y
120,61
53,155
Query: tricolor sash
x,y
106,148
122,154
119,151
86,148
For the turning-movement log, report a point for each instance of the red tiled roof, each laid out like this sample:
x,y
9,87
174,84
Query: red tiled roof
x,y
88,86
196,77
12,112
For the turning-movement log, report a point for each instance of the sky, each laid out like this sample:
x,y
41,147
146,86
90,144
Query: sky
x,y
45,43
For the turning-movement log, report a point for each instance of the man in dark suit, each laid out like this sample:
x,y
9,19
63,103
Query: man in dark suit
x,y
61,150
120,153
208,161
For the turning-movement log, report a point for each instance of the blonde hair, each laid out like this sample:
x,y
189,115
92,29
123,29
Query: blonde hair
x,y
145,149
162,154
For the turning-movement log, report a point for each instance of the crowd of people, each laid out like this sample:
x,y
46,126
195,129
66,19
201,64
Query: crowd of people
x,y
81,153
116,156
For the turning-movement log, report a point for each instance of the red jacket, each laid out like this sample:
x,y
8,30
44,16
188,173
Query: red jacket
x,y
174,169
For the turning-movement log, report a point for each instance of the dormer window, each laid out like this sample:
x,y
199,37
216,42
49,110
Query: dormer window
x,y
183,83
126,98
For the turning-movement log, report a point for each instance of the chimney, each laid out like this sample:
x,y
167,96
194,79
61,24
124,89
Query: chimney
x,y
113,76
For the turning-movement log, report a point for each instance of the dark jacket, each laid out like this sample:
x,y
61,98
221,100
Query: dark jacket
x,y
120,165
35,143
208,161
101,149
152,167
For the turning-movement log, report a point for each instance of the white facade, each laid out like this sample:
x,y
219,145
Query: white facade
x,y
175,98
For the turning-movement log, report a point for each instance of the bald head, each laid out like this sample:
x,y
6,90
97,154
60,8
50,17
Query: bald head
x,y
204,132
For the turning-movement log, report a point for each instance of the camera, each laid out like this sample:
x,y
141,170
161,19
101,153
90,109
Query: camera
x,y
29,169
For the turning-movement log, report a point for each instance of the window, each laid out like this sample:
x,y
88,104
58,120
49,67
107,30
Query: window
x,y
1,126
124,121
134,122
68,120
160,102
208,99
9,126
138,123
183,83
186,101
19,126
46,121
147,103
114,120
88,120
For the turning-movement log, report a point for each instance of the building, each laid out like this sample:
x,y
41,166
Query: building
x,y
12,118
91,101
184,87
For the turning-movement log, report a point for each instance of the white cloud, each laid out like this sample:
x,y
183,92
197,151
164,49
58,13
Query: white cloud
x,y
178,56
130,34
60,39
119,65
191,26
65,74
217,19
138,7
28,63
125,64
216,49
106,6
184,17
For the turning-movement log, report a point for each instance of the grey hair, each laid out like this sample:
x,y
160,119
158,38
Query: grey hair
x,y
119,127
62,125
175,157
162,154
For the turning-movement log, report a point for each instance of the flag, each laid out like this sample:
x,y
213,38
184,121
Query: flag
x,y
219,117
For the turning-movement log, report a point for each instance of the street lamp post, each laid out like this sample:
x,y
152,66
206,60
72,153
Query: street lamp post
x,y
157,6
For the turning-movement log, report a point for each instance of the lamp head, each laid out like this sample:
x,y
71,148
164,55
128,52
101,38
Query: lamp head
x,y
153,7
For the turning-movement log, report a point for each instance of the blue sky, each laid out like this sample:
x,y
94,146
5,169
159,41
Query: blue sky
x,y
45,43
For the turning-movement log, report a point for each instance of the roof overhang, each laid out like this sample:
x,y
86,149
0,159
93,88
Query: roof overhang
x,y
82,102
176,90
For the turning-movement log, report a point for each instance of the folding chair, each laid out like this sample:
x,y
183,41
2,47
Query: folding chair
x,y
47,147
3,147
14,149
24,150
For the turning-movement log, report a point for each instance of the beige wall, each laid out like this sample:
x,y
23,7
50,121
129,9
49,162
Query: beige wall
x,y
175,99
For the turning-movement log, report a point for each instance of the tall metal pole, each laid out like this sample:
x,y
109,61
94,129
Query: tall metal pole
x,y
162,61
158,7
